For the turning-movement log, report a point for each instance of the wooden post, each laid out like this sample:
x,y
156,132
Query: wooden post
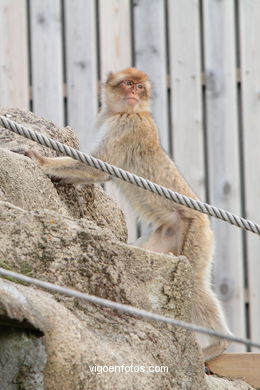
x,y
186,92
223,156
47,61
81,68
14,74
249,11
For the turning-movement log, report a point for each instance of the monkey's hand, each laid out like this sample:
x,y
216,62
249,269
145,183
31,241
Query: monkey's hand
x,y
31,154
37,158
65,169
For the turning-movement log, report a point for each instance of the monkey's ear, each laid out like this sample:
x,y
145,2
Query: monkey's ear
x,y
109,77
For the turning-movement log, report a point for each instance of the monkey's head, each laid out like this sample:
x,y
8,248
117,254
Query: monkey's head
x,y
127,91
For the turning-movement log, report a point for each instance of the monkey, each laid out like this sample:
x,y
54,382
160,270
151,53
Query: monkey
x,y
128,137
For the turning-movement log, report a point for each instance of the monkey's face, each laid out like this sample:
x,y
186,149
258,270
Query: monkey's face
x,y
132,92
128,91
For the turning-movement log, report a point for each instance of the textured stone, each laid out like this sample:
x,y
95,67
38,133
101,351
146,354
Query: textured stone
x,y
22,359
25,185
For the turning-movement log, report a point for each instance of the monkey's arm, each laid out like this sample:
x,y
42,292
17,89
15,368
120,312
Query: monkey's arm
x,y
68,170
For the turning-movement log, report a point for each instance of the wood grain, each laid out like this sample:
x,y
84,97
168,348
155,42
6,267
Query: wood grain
x,y
245,366
186,92
224,157
14,72
81,69
47,61
250,85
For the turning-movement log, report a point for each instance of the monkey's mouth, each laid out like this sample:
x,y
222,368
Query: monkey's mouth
x,y
131,100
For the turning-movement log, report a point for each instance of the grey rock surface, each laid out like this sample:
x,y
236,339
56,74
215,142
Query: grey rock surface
x,y
22,359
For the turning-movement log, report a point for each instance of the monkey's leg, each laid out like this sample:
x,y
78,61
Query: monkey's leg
x,y
67,170
167,238
208,312
153,242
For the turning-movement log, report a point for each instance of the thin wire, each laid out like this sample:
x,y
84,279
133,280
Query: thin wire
x,y
150,186
131,178
125,308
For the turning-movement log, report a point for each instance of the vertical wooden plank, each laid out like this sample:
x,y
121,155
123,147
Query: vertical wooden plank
x,y
46,51
81,68
186,91
150,56
223,155
238,366
250,81
115,35
115,54
14,81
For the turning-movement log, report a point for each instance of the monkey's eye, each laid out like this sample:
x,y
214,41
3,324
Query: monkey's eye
x,y
140,86
129,82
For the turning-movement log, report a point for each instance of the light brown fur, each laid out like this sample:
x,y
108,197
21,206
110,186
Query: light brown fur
x,y
130,140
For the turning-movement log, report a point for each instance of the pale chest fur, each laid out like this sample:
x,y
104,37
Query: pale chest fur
x,y
129,137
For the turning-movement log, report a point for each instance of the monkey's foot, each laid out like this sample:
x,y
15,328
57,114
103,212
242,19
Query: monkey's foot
x,y
19,151
28,153
38,158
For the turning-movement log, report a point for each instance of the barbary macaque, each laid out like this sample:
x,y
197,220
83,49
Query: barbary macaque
x,y
128,138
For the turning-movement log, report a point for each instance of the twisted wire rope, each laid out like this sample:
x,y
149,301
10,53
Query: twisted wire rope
x,y
125,308
139,181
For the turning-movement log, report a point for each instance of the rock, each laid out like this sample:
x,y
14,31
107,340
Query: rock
x,y
84,335
23,358
23,183
216,383
28,119
75,236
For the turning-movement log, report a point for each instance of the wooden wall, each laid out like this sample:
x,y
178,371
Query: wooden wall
x,y
203,57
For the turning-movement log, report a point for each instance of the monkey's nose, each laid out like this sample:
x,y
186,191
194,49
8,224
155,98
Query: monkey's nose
x,y
134,92
134,88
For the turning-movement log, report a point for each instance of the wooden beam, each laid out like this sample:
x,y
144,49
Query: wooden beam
x,y
245,366
224,174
